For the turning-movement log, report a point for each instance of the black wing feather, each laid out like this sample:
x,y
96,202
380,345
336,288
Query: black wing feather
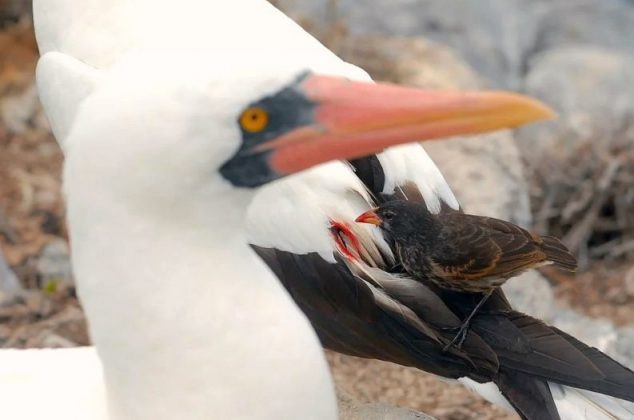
x,y
530,396
525,344
349,319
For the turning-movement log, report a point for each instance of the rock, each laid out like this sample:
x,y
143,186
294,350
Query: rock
x,y
629,281
9,284
492,35
497,37
607,23
599,333
409,60
539,302
54,266
372,380
12,10
18,95
19,112
624,347
486,174
380,411
591,90
350,409
46,339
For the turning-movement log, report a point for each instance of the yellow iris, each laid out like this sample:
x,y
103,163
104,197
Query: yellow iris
x,y
254,120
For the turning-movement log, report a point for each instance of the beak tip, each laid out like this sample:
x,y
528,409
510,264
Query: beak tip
x,y
369,217
527,109
543,111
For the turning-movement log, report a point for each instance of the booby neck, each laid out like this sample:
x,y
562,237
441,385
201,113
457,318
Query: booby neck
x,y
172,311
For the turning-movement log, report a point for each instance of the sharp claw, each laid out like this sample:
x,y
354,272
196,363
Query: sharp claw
x,y
462,332
460,337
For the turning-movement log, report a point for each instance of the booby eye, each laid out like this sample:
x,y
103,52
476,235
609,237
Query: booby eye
x,y
254,119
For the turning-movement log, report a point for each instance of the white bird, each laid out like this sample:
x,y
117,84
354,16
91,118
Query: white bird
x,y
167,132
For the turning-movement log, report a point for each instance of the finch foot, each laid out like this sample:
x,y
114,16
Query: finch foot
x,y
461,335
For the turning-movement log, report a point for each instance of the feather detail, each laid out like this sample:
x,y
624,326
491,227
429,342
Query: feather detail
x,y
558,253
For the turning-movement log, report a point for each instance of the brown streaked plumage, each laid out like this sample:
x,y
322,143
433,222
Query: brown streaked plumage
x,y
463,252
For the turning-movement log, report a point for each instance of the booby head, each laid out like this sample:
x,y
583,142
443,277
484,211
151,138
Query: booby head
x,y
156,131
316,118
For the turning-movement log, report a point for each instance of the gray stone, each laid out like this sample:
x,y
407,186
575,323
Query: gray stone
x,y
53,264
486,175
497,37
590,88
599,333
18,111
624,347
408,60
531,293
9,284
629,280
380,411
12,10
493,35
350,409
607,23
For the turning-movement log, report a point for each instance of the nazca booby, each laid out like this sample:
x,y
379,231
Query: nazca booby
x,y
164,146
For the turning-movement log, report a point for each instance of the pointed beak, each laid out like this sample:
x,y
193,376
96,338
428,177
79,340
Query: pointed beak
x,y
370,217
355,119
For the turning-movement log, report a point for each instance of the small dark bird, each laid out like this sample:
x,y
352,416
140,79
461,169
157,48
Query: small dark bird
x,y
463,252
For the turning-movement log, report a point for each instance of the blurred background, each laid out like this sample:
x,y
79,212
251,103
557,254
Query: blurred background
x,y
573,177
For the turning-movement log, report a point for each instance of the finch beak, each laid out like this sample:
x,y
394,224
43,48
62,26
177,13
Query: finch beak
x,y
369,217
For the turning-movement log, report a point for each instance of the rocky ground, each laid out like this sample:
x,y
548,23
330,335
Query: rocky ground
x,y
576,55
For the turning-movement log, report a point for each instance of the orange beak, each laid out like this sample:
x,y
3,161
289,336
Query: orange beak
x,y
355,119
370,217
